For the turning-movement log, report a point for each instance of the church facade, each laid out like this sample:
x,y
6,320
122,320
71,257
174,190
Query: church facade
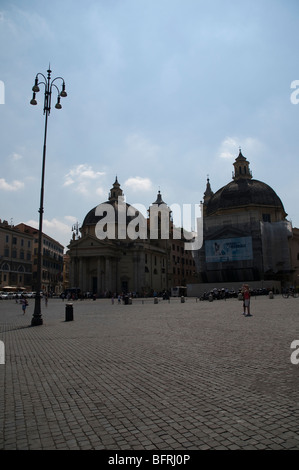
x,y
107,258
246,233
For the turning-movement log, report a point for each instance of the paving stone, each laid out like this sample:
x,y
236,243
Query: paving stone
x,y
192,376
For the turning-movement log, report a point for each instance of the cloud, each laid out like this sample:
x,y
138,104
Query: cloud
x,y
100,191
59,230
81,176
138,184
70,219
16,156
229,147
14,186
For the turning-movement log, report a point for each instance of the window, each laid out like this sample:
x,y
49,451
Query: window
x,y
266,218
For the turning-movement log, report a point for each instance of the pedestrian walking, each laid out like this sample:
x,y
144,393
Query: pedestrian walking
x,y
243,300
246,297
24,303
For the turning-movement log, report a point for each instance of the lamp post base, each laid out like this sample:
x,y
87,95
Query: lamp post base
x,y
36,320
37,315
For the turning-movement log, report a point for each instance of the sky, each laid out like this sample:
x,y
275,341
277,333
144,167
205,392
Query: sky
x,y
160,93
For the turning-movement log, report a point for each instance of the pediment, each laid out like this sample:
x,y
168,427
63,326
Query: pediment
x,y
227,232
90,242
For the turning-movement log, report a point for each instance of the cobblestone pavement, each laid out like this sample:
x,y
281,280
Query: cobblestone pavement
x,y
167,376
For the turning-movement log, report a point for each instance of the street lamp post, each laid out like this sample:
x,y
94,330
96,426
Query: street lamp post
x,y
49,84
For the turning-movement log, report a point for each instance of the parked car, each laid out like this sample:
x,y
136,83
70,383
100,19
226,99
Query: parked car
x,y
11,295
7,295
29,295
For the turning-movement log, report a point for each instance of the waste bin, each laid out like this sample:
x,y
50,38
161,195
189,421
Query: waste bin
x,y
155,300
126,300
271,296
182,299
69,314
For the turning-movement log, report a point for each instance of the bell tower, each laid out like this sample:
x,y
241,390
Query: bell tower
x,y
116,192
242,170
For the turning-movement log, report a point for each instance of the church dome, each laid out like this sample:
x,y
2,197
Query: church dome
x,y
243,191
92,219
115,197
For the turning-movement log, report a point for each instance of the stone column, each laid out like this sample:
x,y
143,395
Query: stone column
x,y
99,274
80,274
72,272
84,280
107,275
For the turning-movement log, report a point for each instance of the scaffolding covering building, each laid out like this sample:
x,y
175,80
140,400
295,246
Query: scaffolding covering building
x,y
245,231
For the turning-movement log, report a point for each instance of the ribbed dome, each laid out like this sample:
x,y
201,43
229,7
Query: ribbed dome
x,y
92,219
115,197
241,193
